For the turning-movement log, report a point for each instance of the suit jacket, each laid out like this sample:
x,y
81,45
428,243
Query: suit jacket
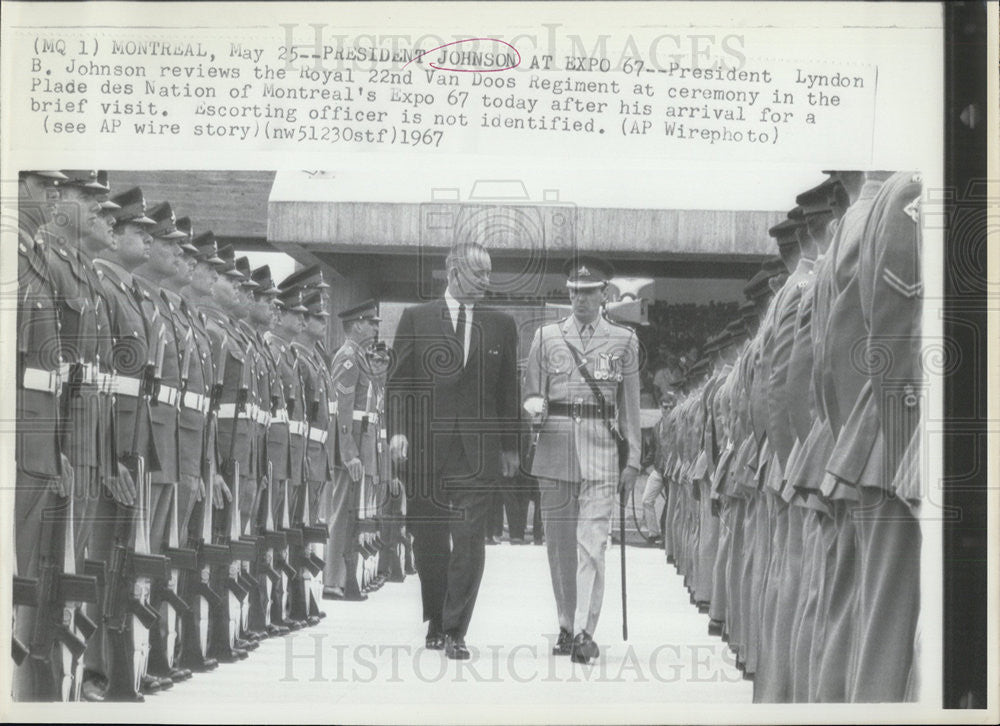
x,y
575,450
457,418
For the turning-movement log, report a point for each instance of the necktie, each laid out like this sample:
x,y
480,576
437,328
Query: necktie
x,y
585,334
460,329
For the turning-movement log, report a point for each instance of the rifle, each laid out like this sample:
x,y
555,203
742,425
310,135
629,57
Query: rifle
x,y
264,574
61,628
230,617
171,605
131,567
198,591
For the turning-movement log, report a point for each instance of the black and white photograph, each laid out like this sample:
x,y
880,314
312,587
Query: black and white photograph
x,y
488,364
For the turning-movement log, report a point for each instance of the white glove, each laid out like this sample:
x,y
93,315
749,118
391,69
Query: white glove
x,y
535,405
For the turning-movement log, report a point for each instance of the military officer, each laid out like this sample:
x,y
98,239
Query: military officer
x,y
582,385
360,412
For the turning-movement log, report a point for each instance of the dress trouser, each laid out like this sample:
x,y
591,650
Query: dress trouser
x,y
838,597
450,555
654,485
577,517
708,545
342,526
719,600
888,596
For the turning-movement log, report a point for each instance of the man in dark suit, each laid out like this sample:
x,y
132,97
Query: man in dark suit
x,y
454,415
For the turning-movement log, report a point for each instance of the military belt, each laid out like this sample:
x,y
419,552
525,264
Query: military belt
x,y
263,417
280,416
227,411
332,409
195,401
361,415
127,386
297,427
36,379
318,435
167,395
576,410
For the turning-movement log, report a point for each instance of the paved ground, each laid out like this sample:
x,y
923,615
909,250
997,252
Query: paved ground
x,y
366,661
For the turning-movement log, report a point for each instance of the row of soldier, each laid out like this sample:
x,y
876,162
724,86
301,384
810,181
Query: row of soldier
x,y
790,455
195,470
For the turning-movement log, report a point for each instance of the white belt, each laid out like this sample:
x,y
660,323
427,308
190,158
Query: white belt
x,y
383,433
228,410
195,401
168,395
318,435
298,428
35,379
372,416
263,417
281,416
332,409
127,386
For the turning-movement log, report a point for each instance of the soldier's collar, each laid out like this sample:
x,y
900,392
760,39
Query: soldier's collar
x,y
119,272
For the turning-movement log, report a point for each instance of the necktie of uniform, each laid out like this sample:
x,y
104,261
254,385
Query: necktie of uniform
x,y
460,329
585,334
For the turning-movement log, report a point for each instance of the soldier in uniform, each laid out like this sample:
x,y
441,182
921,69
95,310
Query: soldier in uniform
x,y
195,438
274,452
212,293
577,458
44,475
311,508
289,326
133,355
888,532
360,411
68,241
174,340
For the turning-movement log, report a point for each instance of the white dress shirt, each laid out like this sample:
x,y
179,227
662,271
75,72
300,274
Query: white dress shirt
x,y
453,310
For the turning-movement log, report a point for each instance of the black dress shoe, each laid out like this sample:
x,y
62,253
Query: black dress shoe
x,y
94,688
584,648
277,630
715,627
206,664
435,637
150,684
564,645
454,648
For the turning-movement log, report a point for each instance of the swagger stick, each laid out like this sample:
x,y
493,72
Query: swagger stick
x,y
621,543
